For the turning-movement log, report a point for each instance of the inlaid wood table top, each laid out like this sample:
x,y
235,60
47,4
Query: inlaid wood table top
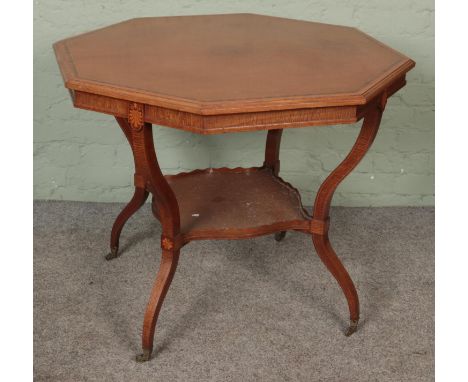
x,y
222,64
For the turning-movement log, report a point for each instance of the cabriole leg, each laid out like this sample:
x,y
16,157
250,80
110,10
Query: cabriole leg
x,y
139,197
336,268
323,199
148,175
164,277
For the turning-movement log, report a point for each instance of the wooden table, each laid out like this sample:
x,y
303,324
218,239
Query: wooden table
x,y
224,74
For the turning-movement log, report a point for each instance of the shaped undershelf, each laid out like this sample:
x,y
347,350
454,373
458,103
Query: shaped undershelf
x,y
234,203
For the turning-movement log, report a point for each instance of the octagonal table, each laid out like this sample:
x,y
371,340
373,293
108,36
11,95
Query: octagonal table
x,y
224,74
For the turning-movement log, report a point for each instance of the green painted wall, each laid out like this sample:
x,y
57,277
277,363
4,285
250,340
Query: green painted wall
x,y
81,155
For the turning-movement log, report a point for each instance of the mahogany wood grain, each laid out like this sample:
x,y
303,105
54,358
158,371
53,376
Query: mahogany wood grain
x,y
227,123
252,62
231,73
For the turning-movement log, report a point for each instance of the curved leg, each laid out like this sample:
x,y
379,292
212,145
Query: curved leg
x,y
166,272
336,268
323,199
148,175
139,197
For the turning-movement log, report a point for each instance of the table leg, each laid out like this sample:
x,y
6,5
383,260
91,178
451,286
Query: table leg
x,y
272,161
272,149
161,285
139,197
149,177
323,199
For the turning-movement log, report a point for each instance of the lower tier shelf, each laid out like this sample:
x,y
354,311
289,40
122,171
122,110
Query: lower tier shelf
x,y
236,203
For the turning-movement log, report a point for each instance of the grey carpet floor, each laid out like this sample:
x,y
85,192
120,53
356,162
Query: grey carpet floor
x,y
246,310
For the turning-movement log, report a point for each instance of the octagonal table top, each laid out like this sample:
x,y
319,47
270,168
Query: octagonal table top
x,y
219,64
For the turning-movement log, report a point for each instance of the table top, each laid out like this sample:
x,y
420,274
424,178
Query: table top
x,y
219,64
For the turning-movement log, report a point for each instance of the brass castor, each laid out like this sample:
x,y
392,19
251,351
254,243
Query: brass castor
x,y
352,327
113,253
143,357
280,235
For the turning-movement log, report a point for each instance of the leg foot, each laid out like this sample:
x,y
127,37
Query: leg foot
x,y
280,235
143,357
113,253
352,327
